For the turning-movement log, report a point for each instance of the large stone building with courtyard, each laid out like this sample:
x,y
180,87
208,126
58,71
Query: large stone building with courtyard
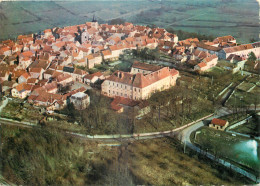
x,y
139,86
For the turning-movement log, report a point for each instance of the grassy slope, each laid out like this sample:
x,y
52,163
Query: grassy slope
x,y
161,162
40,157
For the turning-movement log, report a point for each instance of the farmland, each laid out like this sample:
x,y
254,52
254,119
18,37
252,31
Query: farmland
x,y
215,17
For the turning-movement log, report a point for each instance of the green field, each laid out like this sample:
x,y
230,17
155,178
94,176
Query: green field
x,y
201,16
240,150
247,93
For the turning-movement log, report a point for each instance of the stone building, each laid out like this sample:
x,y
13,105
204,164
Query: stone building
x,y
218,124
80,100
139,86
143,68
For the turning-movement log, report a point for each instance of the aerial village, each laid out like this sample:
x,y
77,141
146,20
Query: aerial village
x,y
47,69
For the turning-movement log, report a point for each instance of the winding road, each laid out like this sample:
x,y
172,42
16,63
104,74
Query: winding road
x,y
183,134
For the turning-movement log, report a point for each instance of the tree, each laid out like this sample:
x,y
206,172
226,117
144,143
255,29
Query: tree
x,y
252,40
251,57
117,21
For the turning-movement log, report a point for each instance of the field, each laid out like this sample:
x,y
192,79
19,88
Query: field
x,y
240,150
247,93
249,128
205,17
162,162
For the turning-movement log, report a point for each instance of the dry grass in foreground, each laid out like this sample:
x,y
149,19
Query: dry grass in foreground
x,y
161,162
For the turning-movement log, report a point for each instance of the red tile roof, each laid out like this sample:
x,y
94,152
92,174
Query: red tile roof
x,y
81,89
202,64
145,66
219,122
26,75
91,76
238,48
139,80
106,52
27,54
23,86
223,39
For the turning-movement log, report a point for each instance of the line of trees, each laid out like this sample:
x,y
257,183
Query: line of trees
x,y
184,35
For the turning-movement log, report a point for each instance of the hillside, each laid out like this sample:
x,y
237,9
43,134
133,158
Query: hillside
x,y
217,17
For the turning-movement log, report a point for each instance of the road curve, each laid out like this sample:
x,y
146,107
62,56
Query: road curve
x,y
184,137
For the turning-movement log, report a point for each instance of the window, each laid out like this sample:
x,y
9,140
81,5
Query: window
x,y
109,91
117,85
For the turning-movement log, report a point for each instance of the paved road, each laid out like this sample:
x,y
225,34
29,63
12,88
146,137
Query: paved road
x,y
183,134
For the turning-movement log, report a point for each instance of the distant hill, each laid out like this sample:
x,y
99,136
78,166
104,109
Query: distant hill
x,y
215,17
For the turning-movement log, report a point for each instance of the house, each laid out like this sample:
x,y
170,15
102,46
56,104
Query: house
x,y
241,50
139,86
143,68
4,74
57,46
51,87
5,50
7,86
91,79
32,81
24,62
207,48
17,73
47,33
201,67
23,78
36,73
114,40
64,79
218,42
218,124
81,63
94,59
40,97
80,100
22,90
116,51
48,74
120,103
28,54
107,55
207,63
78,75
233,58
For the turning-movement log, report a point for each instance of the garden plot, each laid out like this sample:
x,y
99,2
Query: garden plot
x,y
245,86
